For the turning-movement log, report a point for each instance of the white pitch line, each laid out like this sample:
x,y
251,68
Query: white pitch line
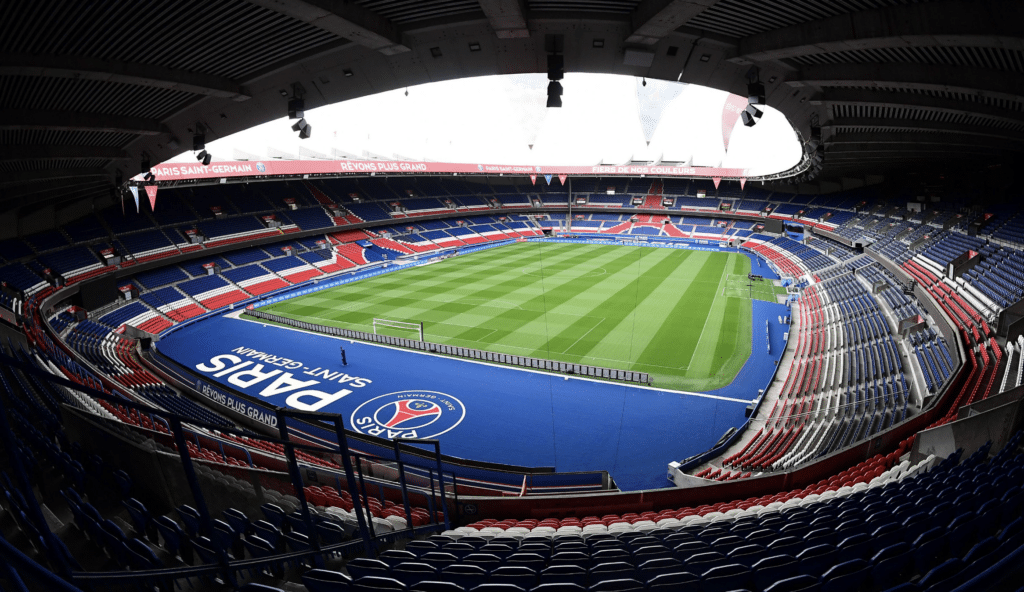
x,y
582,336
504,366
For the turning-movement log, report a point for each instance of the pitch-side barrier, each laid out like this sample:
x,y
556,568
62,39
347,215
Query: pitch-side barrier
x,y
461,352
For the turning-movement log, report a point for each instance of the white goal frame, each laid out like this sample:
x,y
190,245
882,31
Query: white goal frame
x,y
393,324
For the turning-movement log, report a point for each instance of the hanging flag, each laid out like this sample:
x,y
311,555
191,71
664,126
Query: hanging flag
x,y
151,192
122,202
562,178
533,179
743,181
734,105
717,180
547,178
135,194
652,98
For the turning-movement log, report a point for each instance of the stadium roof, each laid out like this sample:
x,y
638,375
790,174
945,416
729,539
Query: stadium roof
x,y
88,88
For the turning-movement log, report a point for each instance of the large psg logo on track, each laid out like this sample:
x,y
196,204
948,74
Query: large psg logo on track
x,y
408,414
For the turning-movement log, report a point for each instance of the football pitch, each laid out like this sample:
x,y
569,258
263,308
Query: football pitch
x,y
682,316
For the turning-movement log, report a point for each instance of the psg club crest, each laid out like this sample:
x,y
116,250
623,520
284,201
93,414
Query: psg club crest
x,y
261,167
408,414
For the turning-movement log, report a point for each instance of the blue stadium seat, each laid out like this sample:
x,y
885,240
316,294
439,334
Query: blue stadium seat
x,y
467,576
412,573
565,573
322,580
771,569
612,570
363,567
395,556
438,559
499,587
849,576
623,585
558,587
801,583
375,583
517,575
436,586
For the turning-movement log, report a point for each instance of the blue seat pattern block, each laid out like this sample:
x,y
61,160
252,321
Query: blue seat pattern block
x,y
162,276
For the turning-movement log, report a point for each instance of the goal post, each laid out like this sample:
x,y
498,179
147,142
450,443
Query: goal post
x,y
402,325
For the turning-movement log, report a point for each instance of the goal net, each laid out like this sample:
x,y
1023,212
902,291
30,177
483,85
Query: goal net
x,y
400,325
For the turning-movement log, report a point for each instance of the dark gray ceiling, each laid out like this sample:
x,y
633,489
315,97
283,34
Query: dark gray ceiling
x,y
87,87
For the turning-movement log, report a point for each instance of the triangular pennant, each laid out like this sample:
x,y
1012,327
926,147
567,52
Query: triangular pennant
x,y
717,180
743,181
652,98
562,178
547,178
151,192
734,105
533,179
135,194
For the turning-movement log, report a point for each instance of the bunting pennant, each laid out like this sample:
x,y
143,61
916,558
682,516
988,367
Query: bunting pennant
x,y
734,105
135,194
562,178
151,192
533,179
547,178
717,180
743,181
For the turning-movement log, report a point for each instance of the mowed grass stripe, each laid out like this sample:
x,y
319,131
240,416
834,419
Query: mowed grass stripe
x,y
730,356
621,293
476,307
510,320
719,333
613,338
654,312
410,286
525,290
621,307
412,300
406,302
680,330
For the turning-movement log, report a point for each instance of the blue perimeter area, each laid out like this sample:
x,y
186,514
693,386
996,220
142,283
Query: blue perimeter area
x,y
512,416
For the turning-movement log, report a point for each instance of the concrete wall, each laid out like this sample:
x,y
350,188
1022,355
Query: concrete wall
x,y
994,421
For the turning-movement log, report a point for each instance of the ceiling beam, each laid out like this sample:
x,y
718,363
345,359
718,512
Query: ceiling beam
x,y
880,140
872,161
25,119
956,79
85,68
56,191
345,19
872,151
18,177
35,152
900,100
957,23
939,127
652,20
506,18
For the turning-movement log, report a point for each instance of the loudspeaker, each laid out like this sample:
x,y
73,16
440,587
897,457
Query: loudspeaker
x,y
296,109
556,67
755,93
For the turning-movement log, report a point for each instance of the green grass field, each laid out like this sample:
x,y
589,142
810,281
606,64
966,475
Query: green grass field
x,y
682,316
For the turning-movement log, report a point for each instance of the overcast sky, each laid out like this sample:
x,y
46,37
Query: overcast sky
x,y
495,119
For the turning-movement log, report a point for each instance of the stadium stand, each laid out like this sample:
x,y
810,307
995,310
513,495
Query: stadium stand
x,y
871,472
848,381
